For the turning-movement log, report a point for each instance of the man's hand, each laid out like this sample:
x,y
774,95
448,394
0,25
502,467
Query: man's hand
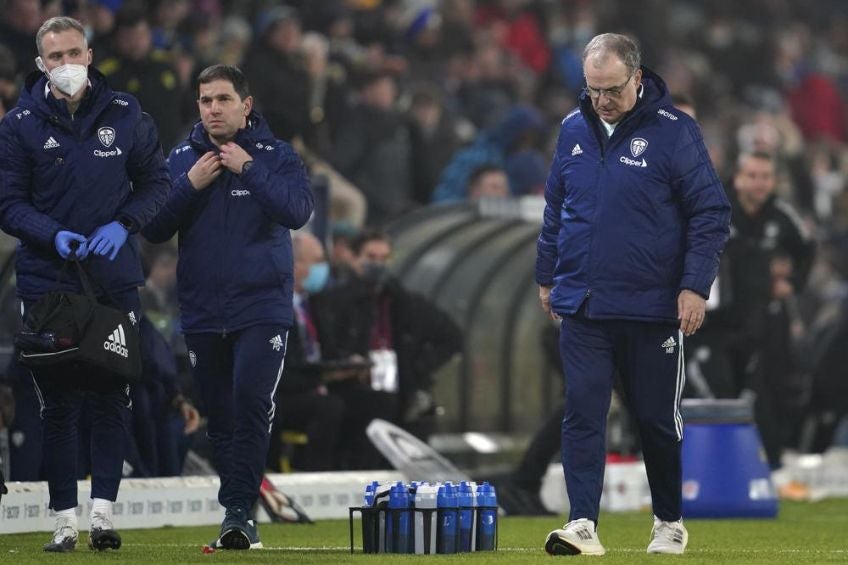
x,y
205,171
191,417
66,241
691,308
545,299
234,157
108,240
781,289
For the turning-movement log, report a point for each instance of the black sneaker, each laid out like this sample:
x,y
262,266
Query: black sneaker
x,y
237,532
102,534
64,538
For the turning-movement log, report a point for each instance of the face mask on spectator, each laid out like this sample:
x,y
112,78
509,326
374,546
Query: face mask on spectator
x,y
68,79
316,278
375,274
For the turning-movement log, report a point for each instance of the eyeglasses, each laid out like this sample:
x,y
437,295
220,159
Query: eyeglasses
x,y
614,92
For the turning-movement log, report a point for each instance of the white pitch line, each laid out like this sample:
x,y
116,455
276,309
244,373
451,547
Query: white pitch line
x,y
704,551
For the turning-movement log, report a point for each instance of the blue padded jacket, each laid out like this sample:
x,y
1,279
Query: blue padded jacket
x,y
235,266
631,220
62,172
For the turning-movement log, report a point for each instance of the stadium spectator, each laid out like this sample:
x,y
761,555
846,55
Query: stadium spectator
x,y
519,30
347,203
488,182
18,23
234,41
405,337
159,294
147,73
374,151
770,253
435,138
517,131
277,72
328,93
8,81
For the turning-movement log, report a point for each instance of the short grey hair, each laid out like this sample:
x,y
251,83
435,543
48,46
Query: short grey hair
x,y
57,25
619,45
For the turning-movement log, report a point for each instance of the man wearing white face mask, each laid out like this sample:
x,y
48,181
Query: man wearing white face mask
x,y
82,170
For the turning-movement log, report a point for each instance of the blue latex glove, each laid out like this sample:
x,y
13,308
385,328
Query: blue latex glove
x,y
64,242
108,240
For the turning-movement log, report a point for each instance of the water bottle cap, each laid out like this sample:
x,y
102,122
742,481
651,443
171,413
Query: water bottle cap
x,y
398,496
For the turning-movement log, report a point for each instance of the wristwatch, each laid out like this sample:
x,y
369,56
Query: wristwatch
x,y
246,166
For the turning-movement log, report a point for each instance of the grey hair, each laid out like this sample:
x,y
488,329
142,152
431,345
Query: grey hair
x,y
57,25
619,45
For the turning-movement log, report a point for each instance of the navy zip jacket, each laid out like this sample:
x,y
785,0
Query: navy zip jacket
x,y
632,220
59,172
235,265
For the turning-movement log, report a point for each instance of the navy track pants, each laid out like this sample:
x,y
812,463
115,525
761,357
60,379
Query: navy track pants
x,y
238,375
106,407
649,359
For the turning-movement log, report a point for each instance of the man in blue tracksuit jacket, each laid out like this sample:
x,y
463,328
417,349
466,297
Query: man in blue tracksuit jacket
x,y
80,166
237,192
633,228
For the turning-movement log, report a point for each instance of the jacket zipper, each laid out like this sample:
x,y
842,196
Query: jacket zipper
x,y
602,166
221,270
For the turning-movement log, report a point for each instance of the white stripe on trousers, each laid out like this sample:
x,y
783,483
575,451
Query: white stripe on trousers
x,y
273,409
681,382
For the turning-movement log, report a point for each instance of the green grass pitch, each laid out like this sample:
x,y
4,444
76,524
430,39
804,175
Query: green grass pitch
x,y
803,533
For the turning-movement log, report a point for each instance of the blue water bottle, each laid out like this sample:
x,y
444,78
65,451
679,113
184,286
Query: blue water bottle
x,y
371,533
398,527
487,517
370,489
446,502
466,500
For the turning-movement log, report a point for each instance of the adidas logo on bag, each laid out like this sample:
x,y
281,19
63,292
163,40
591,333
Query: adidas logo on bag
x,y
117,342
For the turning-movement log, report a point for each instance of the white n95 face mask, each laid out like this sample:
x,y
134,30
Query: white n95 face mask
x,y
69,79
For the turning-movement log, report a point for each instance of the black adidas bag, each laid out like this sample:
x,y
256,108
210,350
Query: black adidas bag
x,y
64,327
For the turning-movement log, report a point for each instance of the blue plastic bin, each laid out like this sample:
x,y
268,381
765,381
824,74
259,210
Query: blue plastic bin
x,y
725,473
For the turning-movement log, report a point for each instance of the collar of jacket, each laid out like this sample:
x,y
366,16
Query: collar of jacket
x,y
256,132
96,100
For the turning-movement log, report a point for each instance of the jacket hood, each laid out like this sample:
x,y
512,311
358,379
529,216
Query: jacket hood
x,y
518,120
257,131
654,96
52,109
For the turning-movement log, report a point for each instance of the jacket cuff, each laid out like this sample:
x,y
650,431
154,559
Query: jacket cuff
x,y
182,189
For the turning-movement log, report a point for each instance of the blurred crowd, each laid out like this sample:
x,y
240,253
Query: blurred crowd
x,y
398,104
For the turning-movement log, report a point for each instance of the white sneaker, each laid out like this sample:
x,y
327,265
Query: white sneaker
x,y
64,537
577,537
668,537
